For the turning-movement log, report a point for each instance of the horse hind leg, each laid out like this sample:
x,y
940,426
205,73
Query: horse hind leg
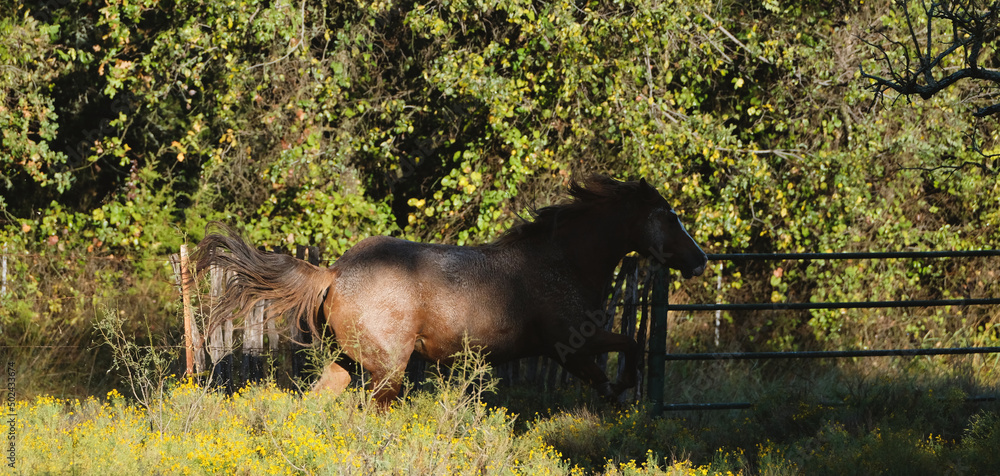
x,y
386,370
386,384
385,391
382,347
334,379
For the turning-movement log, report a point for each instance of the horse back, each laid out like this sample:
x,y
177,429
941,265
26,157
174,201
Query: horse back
x,y
436,295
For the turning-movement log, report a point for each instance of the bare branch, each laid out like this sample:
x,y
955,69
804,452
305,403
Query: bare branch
x,y
953,169
974,25
735,40
987,111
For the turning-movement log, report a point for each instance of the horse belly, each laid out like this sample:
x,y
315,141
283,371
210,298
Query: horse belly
x,y
448,320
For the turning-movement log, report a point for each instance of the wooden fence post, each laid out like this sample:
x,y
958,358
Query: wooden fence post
x,y
718,300
3,273
296,327
220,342
642,335
609,309
272,335
531,375
253,344
193,344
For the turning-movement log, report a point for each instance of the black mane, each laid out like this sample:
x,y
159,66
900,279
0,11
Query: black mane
x,y
595,191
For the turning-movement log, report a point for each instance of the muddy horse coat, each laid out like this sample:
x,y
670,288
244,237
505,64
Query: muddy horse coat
x,y
528,293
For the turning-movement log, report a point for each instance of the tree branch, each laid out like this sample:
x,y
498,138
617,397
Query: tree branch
x,y
973,25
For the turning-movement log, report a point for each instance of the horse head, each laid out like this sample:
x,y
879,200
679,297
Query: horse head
x,y
663,237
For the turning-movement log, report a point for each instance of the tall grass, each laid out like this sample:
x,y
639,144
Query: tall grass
x,y
266,430
452,430
867,416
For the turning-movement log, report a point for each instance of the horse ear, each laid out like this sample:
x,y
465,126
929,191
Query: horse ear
x,y
645,186
649,193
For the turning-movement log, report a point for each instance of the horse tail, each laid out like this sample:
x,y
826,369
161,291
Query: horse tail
x,y
287,284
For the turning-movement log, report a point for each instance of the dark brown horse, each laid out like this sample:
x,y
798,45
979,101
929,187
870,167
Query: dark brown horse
x,y
537,290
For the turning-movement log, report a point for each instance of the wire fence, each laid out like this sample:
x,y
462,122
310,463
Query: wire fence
x,y
662,306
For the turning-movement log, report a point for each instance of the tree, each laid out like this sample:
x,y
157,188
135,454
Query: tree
x,y
940,45
924,62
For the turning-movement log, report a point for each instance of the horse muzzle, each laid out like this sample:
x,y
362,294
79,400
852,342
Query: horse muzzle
x,y
692,273
696,271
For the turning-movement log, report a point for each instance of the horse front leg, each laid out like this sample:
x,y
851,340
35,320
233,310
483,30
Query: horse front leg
x,y
630,372
577,357
584,368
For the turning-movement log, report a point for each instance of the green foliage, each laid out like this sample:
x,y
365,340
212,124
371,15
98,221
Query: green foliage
x,y
27,112
128,126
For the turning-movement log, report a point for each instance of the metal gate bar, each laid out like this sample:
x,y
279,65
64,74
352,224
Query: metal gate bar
x,y
858,255
786,306
828,354
661,304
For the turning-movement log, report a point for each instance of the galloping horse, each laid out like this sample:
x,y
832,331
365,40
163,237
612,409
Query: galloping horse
x,y
533,291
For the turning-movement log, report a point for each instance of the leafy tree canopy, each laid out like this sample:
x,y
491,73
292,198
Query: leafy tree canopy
x,y
128,124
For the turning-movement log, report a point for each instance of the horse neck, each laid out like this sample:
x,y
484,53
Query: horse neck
x,y
594,244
